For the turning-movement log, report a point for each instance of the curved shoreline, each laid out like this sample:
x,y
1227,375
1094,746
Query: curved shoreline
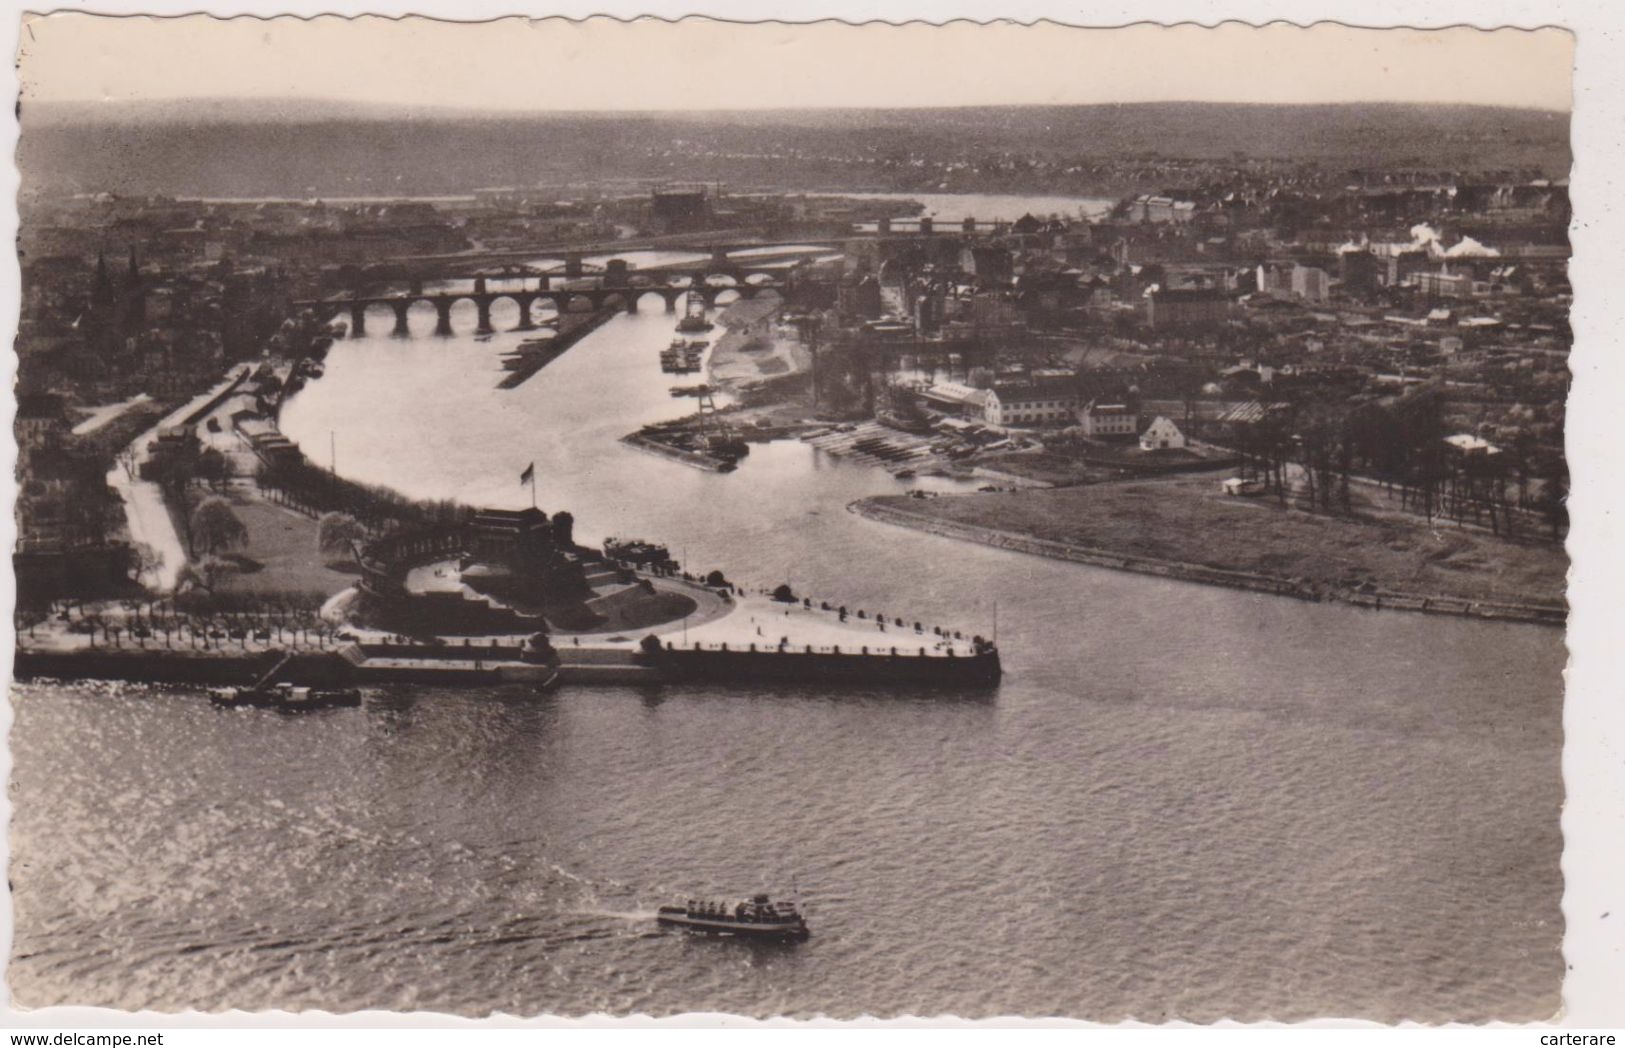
x,y
1433,604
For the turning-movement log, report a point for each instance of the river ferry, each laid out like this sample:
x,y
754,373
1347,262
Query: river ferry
x,y
760,918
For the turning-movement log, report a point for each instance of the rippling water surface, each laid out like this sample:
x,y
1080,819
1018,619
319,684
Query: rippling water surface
x,y
1180,803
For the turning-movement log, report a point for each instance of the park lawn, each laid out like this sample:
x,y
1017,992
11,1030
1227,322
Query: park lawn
x,y
284,544
1046,467
1188,520
632,609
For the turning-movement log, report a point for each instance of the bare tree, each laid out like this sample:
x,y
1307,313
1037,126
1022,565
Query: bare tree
x,y
215,526
213,468
147,561
336,534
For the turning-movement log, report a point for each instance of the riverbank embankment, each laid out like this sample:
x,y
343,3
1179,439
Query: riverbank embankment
x,y
1235,553
761,370
750,350
493,663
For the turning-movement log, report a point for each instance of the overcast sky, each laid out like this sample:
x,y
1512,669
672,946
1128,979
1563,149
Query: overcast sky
x,y
608,65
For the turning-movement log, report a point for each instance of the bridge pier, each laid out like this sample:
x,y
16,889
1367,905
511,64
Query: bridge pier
x,y
442,326
358,319
400,307
883,227
968,226
572,264
632,302
484,306
671,302
525,323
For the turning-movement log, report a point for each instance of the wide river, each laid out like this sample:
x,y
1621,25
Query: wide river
x,y
1181,802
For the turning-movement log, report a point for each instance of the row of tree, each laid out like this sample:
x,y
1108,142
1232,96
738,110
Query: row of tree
x,y
305,487
1402,443
194,615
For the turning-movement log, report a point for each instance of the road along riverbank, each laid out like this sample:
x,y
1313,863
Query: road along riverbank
x,y
145,512
925,515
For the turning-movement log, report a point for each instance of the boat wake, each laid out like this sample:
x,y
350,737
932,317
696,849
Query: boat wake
x,y
629,916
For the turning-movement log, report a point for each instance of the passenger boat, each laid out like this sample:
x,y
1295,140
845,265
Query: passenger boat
x,y
285,697
760,918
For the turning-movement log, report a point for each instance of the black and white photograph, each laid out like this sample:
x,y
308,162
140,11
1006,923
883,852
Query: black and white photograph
x,y
547,517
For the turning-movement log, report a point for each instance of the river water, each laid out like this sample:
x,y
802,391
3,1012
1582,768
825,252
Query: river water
x,y
949,208
1181,802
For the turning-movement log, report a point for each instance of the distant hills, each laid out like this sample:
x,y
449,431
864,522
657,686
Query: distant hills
x,y
280,147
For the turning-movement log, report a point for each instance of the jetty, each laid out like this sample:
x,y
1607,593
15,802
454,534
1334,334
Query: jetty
x,y
664,442
535,355
742,637
499,661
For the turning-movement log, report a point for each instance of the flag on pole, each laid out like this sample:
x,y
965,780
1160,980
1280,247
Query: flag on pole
x,y
529,474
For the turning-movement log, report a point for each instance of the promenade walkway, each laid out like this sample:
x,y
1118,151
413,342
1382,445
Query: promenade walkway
x,y
738,623
765,623
145,514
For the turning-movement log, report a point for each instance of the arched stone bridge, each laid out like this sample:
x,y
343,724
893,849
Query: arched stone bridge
x,y
615,293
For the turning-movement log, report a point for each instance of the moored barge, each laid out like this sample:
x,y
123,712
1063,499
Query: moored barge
x,y
287,697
